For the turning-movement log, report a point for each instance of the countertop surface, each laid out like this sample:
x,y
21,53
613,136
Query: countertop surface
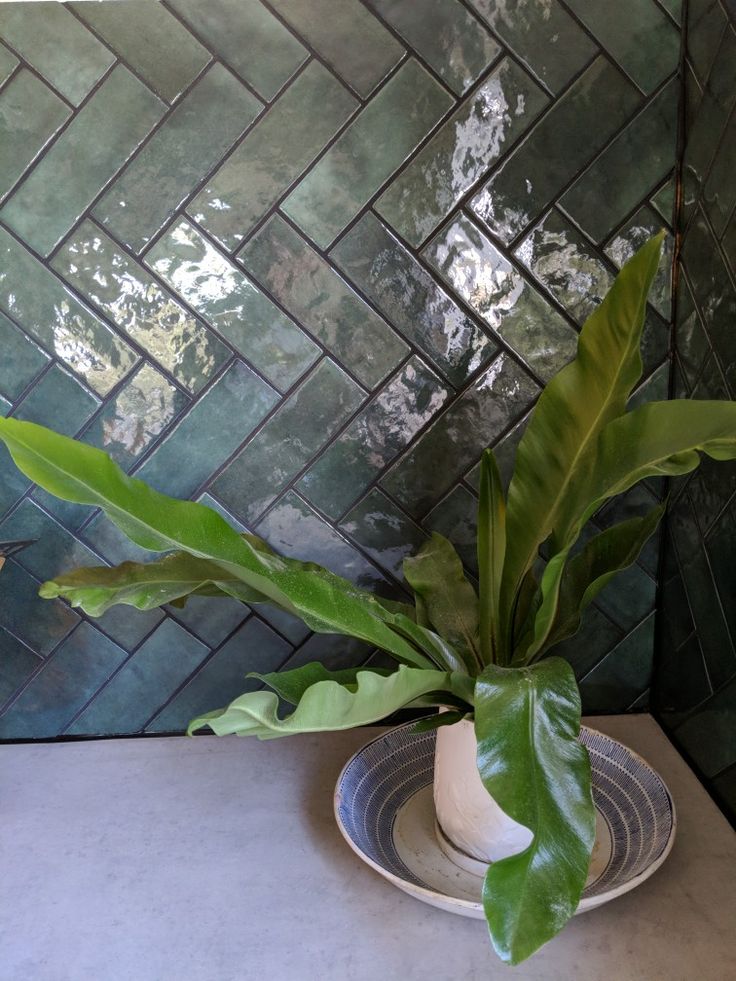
x,y
161,859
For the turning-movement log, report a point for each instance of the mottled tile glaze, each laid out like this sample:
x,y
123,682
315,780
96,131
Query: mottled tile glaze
x,y
411,300
596,104
384,532
211,618
543,34
354,43
463,150
40,624
54,196
58,400
280,259
664,201
706,23
126,293
54,549
278,149
17,664
248,38
455,517
491,285
8,64
149,39
30,114
448,37
629,239
382,136
719,192
231,303
617,678
209,433
376,436
128,626
57,46
295,433
203,126
22,360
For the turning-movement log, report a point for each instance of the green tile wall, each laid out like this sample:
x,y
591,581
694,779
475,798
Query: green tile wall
x,y
304,260
695,685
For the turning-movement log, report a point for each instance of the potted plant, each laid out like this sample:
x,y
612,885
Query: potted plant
x,y
509,727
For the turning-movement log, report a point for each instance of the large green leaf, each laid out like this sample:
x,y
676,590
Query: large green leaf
x,y
76,472
448,600
291,685
491,554
327,705
571,412
527,722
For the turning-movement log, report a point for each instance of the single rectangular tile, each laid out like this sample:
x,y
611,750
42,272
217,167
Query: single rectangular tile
x,y
528,180
224,296
153,42
212,430
21,360
17,664
639,36
135,417
54,549
461,152
649,139
411,300
30,114
458,437
313,292
374,438
154,672
469,262
132,299
84,661
57,46
248,38
542,34
446,35
347,36
279,148
55,194
39,623
378,141
286,443
58,400
384,532
8,64
634,233
46,309
199,130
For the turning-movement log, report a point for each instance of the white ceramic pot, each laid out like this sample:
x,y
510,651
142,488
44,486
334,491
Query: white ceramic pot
x,y
472,828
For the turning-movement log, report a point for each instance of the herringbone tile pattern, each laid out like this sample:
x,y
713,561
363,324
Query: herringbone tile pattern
x,y
303,261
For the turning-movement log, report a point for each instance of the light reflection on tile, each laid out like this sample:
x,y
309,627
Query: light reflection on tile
x,y
384,532
629,239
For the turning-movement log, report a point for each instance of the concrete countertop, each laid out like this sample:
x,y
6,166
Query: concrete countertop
x,y
218,860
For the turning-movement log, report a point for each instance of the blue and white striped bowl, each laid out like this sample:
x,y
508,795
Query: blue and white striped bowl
x,y
385,811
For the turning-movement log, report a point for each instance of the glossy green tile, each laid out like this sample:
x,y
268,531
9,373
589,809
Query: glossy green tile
x,y
227,300
629,239
719,544
58,400
149,39
469,262
290,627
40,624
620,677
653,389
376,436
333,651
128,626
253,648
542,34
714,632
136,416
676,621
109,541
8,64
649,139
457,438
155,671
21,361
71,516
54,43
286,443
14,484
596,104
248,38
63,685
56,193
449,38
202,127
455,517
129,296
380,138
706,22
505,453
282,144
664,201
30,114
384,532
4,406
641,38
209,433
709,737
463,150
211,618
681,681
54,550
628,598
46,309
311,290
674,9
17,664
411,300
292,528
596,636
719,193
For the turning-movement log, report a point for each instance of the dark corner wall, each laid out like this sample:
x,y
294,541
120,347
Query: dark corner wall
x,y
303,260
695,691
